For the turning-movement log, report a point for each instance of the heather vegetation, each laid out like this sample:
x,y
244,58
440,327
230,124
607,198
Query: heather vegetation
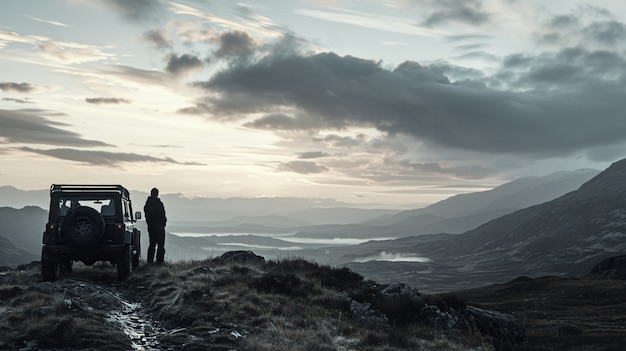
x,y
243,303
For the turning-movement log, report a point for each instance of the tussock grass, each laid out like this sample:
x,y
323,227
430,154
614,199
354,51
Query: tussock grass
x,y
285,304
53,320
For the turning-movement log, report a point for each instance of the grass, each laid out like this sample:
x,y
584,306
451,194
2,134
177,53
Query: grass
x,y
286,304
54,320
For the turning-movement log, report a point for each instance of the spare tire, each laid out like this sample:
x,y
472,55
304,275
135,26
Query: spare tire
x,y
83,226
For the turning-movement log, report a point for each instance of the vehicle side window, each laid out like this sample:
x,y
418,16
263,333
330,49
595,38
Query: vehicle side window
x,y
126,211
63,207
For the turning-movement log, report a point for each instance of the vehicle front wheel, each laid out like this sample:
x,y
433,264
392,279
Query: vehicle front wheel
x,y
125,264
136,249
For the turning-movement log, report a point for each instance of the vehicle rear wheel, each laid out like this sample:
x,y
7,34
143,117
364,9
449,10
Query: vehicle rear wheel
x,y
65,267
50,270
125,264
83,226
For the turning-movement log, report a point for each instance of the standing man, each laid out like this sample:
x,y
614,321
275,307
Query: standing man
x,y
156,220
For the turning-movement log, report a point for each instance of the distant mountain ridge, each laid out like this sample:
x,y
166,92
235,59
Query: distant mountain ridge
x,y
10,255
206,209
564,236
11,196
24,227
463,212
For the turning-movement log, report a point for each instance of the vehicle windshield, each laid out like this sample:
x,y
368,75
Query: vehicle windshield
x,y
104,205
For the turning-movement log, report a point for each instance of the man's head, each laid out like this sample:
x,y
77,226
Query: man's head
x,y
154,192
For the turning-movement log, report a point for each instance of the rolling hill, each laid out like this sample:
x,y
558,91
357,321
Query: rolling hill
x,y
564,236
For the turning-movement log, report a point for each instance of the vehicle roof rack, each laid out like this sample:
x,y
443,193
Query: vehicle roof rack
x,y
88,188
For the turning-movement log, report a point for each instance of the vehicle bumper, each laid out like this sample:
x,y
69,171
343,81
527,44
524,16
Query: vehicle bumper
x,y
86,254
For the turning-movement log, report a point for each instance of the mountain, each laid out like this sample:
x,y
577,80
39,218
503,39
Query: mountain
x,y
24,228
565,236
459,213
207,209
274,221
12,197
463,212
339,215
217,209
11,256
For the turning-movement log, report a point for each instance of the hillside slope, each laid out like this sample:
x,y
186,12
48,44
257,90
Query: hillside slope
x,y
463,212
237,301
10,255
24,228
565,236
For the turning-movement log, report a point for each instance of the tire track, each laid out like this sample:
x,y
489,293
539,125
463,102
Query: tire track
x,y
143,332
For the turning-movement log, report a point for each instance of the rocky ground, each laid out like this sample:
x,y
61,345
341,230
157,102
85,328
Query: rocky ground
x,y
586,313
237,302
242,302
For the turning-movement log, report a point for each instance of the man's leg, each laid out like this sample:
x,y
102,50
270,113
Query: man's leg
x,y
151,248
160,241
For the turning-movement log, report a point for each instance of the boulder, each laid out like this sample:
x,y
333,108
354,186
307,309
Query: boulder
x,y
505,330
400,303
614,267
437,318
246,257
364,313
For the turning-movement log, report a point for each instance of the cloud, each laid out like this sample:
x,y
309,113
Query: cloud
x,y
150,77
107,101
579,106
313,154
19,101
17,38
136,9
54,23
158,38
71,52
30,127
238,45
303,167
17,87
342,141
606,32
253,23
279,121
190,33
458,172
58,50
441,12
586,26
101,158
568,69
368,20
183,65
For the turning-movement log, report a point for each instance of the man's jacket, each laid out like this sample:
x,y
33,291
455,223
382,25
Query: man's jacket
x,y
155,212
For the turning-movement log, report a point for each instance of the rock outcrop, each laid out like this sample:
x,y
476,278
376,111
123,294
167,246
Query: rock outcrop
x,y
614,267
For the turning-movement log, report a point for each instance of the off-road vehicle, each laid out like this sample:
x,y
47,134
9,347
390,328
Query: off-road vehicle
x,y
90,223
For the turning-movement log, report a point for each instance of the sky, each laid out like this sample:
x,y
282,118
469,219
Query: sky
x,y
394,102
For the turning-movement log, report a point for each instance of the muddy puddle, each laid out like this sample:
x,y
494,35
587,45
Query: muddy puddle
x,y
143,333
